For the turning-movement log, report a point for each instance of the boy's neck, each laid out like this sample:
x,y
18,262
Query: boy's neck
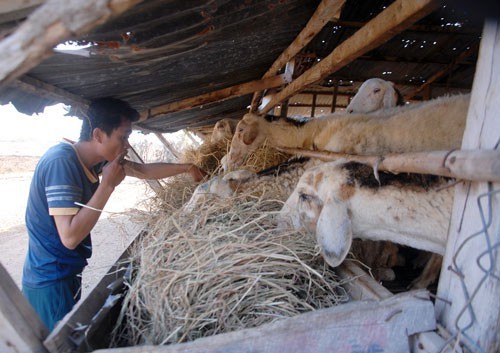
x,y
87,152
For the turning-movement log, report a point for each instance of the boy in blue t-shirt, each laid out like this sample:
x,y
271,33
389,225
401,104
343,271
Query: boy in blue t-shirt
x,y
66,177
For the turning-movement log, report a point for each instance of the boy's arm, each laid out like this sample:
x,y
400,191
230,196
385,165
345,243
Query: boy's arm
x,y
161,170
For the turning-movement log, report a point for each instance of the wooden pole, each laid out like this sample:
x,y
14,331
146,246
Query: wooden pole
x,y
395,18
477,165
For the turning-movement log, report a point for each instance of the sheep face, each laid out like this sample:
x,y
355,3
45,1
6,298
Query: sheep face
x,y
247,139
374,94
223,130
315,208
338,200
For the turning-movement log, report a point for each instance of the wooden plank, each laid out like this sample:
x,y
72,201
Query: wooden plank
x,y
21,330
364,326
395,18
50,24
360,285
42,89
476,165
327,10
215,96
468,302
72,332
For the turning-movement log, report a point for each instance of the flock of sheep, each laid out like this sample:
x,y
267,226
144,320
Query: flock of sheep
x,y
341,200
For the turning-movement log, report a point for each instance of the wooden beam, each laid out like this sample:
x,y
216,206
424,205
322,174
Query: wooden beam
x,y
154,184
473,49
467,301
219,95
39,88
327,10
394,19
50,24
477,165
21,330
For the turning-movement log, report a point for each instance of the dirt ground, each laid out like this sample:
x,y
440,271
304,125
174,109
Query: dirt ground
x,y
111,236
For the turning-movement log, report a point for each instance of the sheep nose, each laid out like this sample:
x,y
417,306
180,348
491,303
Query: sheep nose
x,y
350,111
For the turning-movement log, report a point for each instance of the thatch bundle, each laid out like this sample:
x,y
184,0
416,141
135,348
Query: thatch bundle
x,y
221,268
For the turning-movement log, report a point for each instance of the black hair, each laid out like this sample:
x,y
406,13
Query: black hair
x,y
106,114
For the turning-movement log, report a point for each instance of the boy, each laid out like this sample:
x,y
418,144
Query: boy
x,y
65,178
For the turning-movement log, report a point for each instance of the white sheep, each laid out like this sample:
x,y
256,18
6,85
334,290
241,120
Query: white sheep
x,y
374,94
437,124
337,201
280,180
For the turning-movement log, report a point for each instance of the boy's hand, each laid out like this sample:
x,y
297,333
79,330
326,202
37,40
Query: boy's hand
x,y
196,173
113,173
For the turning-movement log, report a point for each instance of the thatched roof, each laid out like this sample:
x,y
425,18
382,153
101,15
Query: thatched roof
x,y
158,54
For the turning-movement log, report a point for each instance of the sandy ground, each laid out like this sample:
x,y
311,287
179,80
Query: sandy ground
x,y
110,237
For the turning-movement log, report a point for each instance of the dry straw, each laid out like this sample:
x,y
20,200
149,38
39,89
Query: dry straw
x,y
221,268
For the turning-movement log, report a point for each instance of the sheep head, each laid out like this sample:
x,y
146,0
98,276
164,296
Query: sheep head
x,y
247,138
317,207
374,94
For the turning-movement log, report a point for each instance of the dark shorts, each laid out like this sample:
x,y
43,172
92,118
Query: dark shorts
x,y
53,302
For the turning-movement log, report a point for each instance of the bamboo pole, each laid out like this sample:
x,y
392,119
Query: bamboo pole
x,y
474,165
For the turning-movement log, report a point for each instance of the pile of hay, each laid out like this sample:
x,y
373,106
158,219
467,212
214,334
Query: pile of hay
x,y
221,268
264,157
208,156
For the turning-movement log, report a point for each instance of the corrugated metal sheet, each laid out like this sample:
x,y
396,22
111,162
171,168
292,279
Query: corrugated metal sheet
x,y
162,51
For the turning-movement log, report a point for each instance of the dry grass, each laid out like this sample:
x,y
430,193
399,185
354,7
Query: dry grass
x,y
222,268
207,156
264,157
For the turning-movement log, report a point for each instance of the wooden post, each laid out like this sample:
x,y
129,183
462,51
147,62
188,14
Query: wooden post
x,y
468,303
334,97
313,105
21,330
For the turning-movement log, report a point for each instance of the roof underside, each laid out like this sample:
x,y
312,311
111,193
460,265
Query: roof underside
x,y
162,52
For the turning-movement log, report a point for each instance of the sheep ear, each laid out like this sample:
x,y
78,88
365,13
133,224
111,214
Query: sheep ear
x,y
249,134
334,232
390,98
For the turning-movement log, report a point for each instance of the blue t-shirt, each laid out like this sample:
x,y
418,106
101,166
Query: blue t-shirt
x,y
60,180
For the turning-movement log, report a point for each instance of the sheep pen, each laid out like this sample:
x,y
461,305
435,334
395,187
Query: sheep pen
x,y
222,268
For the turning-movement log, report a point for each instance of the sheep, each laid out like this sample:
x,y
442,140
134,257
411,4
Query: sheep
x,y
432,125
223,130
337,201
280,180
375,94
